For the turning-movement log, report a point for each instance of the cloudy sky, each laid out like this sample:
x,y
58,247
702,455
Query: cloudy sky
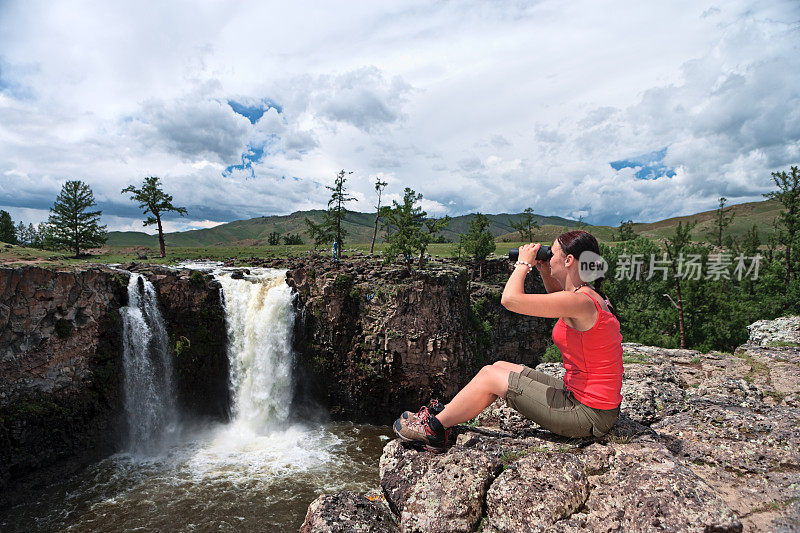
x,y
610,110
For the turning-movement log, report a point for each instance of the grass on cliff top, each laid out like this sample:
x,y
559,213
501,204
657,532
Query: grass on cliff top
x,y
18,255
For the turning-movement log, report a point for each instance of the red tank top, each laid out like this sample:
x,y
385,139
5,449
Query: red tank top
x,y
592,359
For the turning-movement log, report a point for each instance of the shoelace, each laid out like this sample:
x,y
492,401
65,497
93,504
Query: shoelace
x,y
420,419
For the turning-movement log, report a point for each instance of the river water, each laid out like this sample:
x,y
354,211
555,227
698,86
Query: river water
x,y
216,480
258,472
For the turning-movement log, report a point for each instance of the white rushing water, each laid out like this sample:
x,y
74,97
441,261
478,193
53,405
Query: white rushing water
x,y
260,439
260,317
149,394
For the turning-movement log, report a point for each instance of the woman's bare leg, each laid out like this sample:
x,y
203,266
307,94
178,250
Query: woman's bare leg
x,y
489,384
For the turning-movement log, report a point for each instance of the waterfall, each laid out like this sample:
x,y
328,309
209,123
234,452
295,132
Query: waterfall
x,y
149,395
260,318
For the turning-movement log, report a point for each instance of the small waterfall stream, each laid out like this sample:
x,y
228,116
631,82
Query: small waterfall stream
x,y
149,395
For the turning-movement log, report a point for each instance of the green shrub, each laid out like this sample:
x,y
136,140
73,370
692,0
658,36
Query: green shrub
x,y
182,345
197,279
342,282
552,355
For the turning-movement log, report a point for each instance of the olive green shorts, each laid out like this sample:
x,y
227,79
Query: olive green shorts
x,y
546,400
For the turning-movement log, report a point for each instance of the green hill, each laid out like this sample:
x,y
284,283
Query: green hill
x,y
746,215
255,231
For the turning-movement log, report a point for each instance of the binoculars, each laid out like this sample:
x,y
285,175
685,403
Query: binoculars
x,y
544,253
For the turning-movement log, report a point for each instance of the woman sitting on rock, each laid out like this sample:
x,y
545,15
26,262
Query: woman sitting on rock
x,y
586,402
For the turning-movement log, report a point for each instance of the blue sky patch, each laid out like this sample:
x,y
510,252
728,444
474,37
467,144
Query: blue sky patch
x,y
12,87
254,154
651,166
254,112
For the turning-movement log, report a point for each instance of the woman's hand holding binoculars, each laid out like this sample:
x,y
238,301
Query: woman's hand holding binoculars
x,y
534,254
528,252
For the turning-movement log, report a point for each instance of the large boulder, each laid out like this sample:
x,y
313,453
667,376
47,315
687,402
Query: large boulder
x,y
346,512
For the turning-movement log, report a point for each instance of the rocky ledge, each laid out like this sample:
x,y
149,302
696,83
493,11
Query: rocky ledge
x,y
706,442
373,338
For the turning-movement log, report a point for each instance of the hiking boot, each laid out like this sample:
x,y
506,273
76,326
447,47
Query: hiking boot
x,y
434,407
423,428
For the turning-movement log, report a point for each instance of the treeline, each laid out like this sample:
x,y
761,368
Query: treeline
x,y
73,226
409,231
681,294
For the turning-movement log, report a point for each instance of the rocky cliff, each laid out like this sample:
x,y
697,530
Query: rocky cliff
x,y
706,442
61,373
60,379
376,338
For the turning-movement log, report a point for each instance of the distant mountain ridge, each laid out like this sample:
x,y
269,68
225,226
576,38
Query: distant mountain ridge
x,y
255,231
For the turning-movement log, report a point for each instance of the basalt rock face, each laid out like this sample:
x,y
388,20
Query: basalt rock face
x,y
61,378
705,442
61,372
194,315
378,338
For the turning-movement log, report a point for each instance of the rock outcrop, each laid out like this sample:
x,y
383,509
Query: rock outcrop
x,y
705,442
376,338
61,377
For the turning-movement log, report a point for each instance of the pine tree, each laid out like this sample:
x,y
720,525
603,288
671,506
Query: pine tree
x,y
675,246
322,233
433,226
8,233
336,208
38,234
22,238
154,201
70,225
525,225
722,219
478,242
788,194
408,231
403,224
625,231
379,186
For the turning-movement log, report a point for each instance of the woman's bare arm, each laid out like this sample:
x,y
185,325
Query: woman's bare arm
x,y
552,305
551,284
556,303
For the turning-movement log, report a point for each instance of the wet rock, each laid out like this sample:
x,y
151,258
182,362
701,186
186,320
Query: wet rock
x,y
346,512
61,375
